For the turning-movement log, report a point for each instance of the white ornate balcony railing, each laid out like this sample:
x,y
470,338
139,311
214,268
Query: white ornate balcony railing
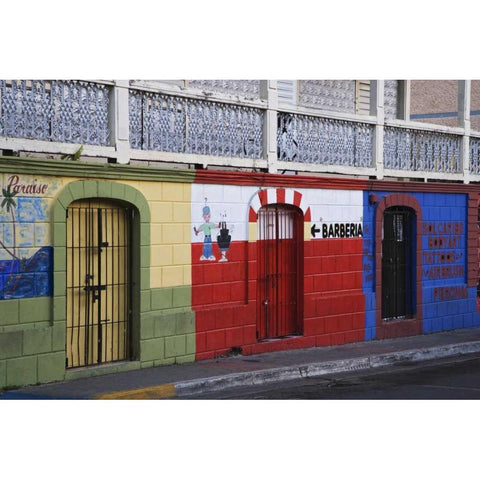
x,y
56,111
419,150
324,141
475,155
184,125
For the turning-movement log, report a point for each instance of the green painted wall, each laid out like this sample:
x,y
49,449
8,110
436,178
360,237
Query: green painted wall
x,y
32,349
167,327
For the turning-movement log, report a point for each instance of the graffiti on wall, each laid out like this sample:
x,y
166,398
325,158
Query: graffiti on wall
x,y
25,259
443,258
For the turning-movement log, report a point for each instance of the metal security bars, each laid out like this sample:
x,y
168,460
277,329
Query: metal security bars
x,y
98,284
418,150
398,266
279,286
324,141
176,124
53,110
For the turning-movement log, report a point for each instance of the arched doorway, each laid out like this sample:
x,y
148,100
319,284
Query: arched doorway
x,y
398,260
279,271
398,263
98,282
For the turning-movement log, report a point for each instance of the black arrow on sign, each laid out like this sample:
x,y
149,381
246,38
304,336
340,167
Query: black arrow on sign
x,y
314,230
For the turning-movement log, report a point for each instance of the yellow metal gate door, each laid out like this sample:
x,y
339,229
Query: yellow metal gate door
x,y
98,283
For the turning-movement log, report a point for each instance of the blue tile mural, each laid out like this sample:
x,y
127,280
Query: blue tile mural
x,y
25,270
30,277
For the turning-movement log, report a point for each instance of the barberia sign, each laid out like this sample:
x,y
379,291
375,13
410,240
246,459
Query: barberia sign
x,y
26,188
338,230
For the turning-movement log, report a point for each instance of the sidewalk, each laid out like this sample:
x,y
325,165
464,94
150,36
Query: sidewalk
x,y
211,375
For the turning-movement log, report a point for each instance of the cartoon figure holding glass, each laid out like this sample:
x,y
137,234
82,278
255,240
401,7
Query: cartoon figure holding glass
x,y
206,228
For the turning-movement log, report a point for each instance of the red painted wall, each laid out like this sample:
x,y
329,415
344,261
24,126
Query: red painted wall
x,y
224,298
225,309
334,302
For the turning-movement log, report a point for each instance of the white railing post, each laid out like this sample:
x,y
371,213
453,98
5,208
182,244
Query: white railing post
x,y
377,109
464,90
119,121
269,92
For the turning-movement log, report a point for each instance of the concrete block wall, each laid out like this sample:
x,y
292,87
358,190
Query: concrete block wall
x,y
167,325
223,298
190,309
32,350
448,300
334,301
167,328
33,330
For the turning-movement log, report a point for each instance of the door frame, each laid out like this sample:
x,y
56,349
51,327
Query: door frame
x,y
409,326
140,275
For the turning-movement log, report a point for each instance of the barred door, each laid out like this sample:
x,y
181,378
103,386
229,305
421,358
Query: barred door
x,y
280,257
98,283
398,285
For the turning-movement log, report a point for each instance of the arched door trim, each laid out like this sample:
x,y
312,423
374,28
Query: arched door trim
x,y
412,326
84,189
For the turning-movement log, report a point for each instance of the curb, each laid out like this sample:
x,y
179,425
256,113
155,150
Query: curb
x,y
296,372
312,370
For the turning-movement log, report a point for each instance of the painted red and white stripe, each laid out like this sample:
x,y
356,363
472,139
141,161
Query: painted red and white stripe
x,y
278,195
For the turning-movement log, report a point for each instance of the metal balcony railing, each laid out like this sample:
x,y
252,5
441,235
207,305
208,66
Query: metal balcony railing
x,y
418,150
324,141
55,110
228,123
183,125
475,155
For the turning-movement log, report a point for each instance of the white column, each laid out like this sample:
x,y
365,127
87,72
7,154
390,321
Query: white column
x,y
377,109
404,100
464,91
269,92
119,120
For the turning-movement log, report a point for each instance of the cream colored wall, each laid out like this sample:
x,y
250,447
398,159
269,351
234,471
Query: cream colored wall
x,y
170,262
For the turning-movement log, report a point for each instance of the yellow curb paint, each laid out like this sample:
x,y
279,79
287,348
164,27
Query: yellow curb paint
x,y
147,393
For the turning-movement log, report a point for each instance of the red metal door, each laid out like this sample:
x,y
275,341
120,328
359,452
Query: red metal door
x,y
280,260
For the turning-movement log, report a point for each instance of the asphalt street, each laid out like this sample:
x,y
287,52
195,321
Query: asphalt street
x,y
456,378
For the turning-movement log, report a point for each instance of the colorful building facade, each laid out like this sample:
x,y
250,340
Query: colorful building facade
x,y
115,267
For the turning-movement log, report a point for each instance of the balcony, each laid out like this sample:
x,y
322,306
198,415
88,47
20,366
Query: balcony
x,y
324,127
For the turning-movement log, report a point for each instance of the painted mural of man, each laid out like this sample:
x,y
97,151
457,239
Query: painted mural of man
x,y
206,228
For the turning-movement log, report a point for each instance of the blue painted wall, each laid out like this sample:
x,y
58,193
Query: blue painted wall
x,y
448,303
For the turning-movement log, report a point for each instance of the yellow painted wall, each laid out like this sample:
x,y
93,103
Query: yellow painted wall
x,y
170,212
